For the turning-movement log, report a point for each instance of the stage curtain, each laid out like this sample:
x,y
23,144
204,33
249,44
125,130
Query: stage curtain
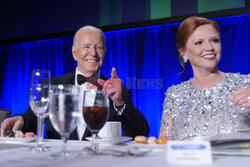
x,y
145,59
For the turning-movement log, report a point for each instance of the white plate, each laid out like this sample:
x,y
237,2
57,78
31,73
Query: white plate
x,y
231,152
153,146
111,140
17,140
230,139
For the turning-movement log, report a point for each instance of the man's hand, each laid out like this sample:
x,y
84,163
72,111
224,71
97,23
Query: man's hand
x,y
15,123
240,97
114,87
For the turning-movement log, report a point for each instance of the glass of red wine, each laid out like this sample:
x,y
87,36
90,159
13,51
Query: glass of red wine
x,y
95,113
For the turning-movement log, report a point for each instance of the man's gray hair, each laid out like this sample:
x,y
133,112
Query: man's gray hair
x,y
91,28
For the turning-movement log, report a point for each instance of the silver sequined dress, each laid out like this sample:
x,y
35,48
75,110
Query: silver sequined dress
x,y
207,112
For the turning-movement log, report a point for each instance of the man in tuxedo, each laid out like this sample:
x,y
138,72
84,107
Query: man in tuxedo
x,y
89,48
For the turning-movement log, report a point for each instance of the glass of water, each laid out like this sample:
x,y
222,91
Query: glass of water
x,y
64,110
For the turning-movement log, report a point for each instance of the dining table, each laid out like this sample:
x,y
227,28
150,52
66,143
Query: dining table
x,y
16,153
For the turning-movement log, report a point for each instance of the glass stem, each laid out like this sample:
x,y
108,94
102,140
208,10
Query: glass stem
x,y
94,145
64,144
40,131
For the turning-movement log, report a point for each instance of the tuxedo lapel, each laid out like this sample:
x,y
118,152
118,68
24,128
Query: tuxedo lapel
x,y
87,133
64,79
74,135
103,77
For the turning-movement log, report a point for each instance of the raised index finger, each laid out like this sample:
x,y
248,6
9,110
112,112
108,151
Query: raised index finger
x,y
113,73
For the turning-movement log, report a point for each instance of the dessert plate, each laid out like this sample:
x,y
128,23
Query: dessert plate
x,y
118,140
233,139
153,146
17,140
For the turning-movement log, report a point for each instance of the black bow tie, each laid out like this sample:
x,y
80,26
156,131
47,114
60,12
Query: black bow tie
x,y
81,79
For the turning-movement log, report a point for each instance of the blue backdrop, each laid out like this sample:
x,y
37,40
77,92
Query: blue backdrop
x,y
145,58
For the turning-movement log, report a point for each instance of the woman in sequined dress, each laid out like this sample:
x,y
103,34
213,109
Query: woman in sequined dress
x,y
212,102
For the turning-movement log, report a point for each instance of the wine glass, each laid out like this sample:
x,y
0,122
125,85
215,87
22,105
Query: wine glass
x,y
39,102
95,113
65,108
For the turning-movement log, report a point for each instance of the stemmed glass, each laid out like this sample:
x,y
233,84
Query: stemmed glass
x,y
65,108
95,113
39,102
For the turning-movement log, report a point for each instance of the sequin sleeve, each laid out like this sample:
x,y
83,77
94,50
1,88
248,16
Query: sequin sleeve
x,y
166,120
247,81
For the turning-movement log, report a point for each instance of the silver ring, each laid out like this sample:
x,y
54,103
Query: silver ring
x,y
248,99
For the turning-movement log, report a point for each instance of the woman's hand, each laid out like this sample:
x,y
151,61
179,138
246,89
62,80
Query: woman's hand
x,y
241,97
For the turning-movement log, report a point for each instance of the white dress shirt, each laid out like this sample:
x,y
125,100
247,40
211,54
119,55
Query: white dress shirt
x,y
81,125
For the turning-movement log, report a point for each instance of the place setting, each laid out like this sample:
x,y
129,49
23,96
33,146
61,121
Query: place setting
x,y
233,144
106,135
18,137
110,134
64,106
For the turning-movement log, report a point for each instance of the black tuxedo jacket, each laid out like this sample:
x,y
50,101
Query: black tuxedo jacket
x,y
132,120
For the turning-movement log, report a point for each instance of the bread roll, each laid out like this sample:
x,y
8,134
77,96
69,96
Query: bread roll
x,y
162,140
140,140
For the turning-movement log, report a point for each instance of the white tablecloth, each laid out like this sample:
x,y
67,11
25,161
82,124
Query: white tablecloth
x,y
18,155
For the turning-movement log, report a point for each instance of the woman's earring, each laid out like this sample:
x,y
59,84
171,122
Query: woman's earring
x,y
185,60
